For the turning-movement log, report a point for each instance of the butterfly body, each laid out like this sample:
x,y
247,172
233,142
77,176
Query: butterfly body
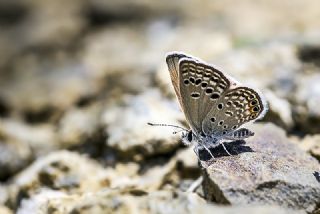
x,y
215,105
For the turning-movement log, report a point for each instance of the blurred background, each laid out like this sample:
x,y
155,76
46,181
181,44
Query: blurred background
x,y
86,76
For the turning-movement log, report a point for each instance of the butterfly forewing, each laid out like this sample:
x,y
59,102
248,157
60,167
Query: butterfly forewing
x,y
200,86
172,60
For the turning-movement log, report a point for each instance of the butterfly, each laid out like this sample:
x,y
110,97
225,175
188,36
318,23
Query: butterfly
x,y
215,105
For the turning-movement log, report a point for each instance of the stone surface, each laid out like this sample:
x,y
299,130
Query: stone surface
x,y
128,131
81,75
63,83
14,153
279,110
68,172
311,144
64,171
13,157
308,99
79,125
5,210
40,139
132,201
266,170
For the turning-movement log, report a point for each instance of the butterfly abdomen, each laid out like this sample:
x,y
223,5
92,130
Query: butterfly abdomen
x,y
242,133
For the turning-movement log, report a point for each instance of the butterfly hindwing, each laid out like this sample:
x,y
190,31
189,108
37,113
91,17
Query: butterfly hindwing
x,y
237,106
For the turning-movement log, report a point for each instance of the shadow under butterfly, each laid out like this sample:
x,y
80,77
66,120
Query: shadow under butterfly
x,y
215,106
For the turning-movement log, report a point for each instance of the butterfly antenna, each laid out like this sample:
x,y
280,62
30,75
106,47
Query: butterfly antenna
x,y
160,124
176,132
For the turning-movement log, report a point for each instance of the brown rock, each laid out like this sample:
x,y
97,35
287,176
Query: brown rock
x,y
133,201
266,170
128,131
311,144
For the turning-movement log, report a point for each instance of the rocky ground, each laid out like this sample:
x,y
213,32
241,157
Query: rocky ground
x,y
80,80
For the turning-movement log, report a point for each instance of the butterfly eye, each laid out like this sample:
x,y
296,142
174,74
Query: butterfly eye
x,y
234,127
212,119
186,82
189,136
221,122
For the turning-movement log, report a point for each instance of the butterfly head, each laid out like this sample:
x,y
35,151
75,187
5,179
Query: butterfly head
x,y
187,137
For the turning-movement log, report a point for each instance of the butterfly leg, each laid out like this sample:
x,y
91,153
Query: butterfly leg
x,y
193,187
225,149
208,150
196,150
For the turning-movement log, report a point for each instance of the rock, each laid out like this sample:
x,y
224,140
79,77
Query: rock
x,y
14,156
187,158
148,176
44,22
266,170
67,172
63,171
5,210
128,131
4,195
307,96
279,110
248,21
79,125
14,153
63,83
40,139
132,201
311,144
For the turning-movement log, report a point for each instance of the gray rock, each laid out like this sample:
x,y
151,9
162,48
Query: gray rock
x,y
128,131
5,210
14,156
40,139
63,171
279,110
268,169
248,22
311,144
79,125
133,201
54,83
307,96
4,195
14,153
